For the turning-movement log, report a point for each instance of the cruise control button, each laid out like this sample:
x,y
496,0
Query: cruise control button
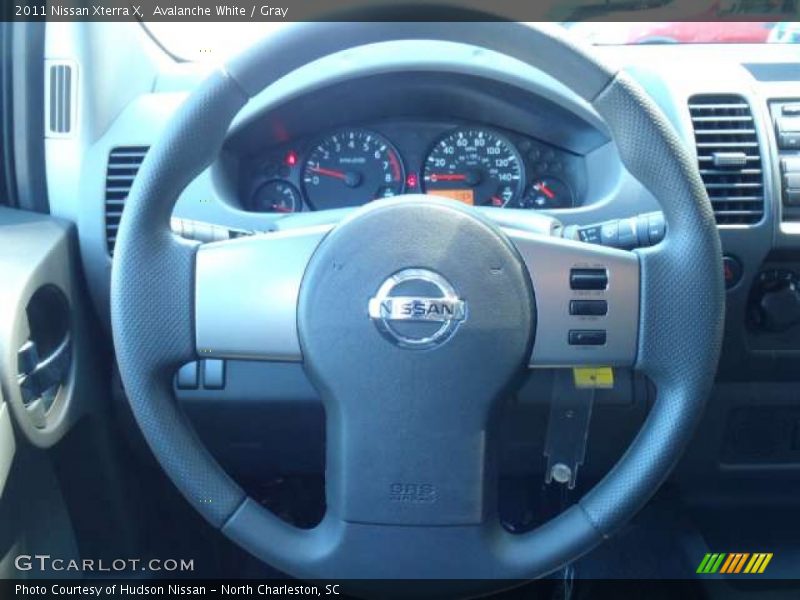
x,y
587,337
595,308
588,279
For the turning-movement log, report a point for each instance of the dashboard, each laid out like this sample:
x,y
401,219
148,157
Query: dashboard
x,y
403,106
473,163
454,121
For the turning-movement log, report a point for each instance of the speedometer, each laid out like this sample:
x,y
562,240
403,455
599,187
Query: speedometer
x,y
351,168
474,166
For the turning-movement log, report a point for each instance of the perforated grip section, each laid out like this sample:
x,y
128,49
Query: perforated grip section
x,y
152,291
682,303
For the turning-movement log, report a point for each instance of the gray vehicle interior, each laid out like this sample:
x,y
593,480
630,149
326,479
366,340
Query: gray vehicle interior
x,y
81,476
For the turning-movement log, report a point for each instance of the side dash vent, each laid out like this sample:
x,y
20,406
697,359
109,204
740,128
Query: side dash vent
x,y
61,98
123,165
729,157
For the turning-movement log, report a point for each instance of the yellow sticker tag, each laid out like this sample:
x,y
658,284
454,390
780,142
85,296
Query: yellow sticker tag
x,y
593,377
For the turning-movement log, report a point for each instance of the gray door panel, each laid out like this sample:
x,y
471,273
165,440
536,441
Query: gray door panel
x,y
40,331
47,379
7,445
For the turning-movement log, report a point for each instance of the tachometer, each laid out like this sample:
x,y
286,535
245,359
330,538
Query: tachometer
x,y
474,166
350,168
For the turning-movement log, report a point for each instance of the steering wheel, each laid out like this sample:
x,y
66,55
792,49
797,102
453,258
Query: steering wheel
x,y
413,318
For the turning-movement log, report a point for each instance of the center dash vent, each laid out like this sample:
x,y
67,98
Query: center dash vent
x,y
729,157
123,164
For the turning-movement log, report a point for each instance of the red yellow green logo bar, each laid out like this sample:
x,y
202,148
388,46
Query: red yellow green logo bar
x,y
734,563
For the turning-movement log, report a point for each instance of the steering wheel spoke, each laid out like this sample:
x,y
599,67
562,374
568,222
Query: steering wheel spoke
x,y
246,293
412,453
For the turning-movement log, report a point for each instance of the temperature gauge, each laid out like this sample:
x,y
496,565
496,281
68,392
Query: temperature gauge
x,y
276,196
548,192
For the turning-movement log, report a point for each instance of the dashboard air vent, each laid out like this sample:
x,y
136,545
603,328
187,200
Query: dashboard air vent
x,y
123,164
729,157
61,94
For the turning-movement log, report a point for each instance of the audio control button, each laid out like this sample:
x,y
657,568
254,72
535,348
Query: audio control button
x,y
588,279
590,308
587,337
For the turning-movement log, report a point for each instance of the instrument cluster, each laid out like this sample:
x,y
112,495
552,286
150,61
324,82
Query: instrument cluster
x,y
470,163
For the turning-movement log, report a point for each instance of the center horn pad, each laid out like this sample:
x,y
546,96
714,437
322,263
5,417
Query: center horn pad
x,y
415,315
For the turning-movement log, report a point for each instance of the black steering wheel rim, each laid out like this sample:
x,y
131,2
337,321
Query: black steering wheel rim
x,y
680,321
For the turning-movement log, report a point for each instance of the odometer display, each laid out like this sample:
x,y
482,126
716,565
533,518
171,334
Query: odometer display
x,y
351,168
474,166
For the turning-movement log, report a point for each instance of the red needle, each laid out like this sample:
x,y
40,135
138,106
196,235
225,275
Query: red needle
x,y
280,209
545,190
447,177
497,201
328,172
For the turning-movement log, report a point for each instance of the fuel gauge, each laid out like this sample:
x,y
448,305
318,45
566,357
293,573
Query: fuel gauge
x,y
276,196
548,192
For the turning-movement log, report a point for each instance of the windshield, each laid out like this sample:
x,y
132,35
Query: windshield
x,y
202,41
216,41
688,32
